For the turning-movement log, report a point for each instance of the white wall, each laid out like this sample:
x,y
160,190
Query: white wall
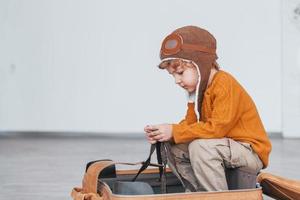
x,y
291,67
91,65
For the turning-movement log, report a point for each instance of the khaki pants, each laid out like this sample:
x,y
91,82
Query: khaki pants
x,y
202,162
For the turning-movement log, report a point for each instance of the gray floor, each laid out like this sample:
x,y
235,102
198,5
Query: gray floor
x,y
41,168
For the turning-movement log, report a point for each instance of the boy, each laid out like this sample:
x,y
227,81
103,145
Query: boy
x,y
222,128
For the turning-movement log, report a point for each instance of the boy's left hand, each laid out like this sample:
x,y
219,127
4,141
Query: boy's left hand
x,y
161,132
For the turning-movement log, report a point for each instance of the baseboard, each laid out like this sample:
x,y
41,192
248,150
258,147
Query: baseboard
x,y
67,134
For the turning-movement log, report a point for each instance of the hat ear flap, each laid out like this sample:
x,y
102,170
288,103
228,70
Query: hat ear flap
x,y
205,74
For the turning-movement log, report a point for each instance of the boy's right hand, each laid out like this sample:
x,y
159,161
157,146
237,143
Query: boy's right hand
x,y
149,129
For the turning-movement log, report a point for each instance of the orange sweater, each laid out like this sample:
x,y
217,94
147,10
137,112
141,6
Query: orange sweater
x,y
227,111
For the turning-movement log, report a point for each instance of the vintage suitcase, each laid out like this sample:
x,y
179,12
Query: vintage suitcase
x,y
278,187
99,179
103,182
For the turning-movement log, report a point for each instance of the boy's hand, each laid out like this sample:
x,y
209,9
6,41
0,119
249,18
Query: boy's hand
x,y
148,129
161,133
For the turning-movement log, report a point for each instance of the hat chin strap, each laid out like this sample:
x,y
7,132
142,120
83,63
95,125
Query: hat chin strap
x,y
197,93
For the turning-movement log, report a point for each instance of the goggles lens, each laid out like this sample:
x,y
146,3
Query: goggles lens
x,y
171,44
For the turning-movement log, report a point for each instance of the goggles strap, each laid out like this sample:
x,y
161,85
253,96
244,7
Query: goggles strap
x,y
198,48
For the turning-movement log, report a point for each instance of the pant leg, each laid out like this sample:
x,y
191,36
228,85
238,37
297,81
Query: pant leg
x,y
207,163
210,157
183,166
242,155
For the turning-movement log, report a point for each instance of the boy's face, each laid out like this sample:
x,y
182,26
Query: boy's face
x,y
185,74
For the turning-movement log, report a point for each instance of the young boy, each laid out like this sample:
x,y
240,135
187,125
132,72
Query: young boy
x,y
222,128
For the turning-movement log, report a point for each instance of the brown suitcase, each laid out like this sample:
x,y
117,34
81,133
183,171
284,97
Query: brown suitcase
x,y
100,178
278,187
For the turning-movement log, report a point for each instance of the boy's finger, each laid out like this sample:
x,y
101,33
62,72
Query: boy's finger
x,y
152,141
147,130
158,137
152,127
151,133
149,138
162,140
154,133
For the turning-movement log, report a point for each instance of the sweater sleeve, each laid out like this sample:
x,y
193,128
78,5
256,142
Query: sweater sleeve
x,y
190,116
224,115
